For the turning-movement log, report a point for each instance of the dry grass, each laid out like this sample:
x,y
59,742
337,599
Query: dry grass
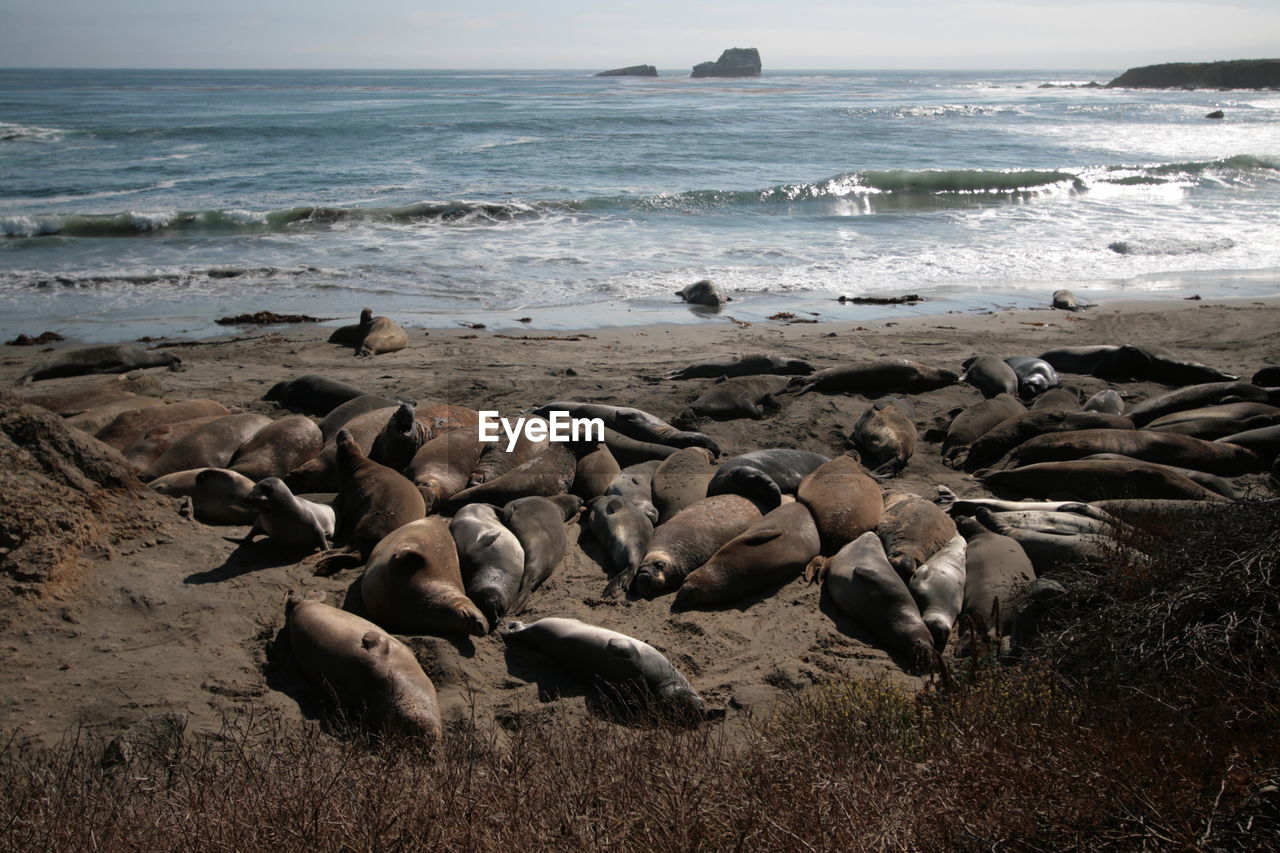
x,y
1149,722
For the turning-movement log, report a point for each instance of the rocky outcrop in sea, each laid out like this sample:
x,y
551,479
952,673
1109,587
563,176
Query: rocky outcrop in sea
x,y
734,62
1234,74
630,71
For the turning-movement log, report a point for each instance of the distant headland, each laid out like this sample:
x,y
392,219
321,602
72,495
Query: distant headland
x,y
1234,74
734,62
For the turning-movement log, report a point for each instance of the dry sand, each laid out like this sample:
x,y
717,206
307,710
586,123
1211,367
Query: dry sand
x,y
181,619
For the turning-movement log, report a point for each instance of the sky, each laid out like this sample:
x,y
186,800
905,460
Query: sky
x,y
600,34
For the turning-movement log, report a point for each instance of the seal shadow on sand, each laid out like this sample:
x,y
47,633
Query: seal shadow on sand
x,y
247,558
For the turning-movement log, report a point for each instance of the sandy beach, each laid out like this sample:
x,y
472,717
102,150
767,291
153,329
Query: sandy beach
x,y
179,618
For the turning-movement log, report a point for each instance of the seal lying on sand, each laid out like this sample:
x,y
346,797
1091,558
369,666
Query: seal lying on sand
x,y
743,365
878,376
844,500
938,588
372,335
491,557
625,532
313,394
287,520
912,530
690,538
885,436
632,423
763,476
730,399
990,375
975,422
1035,375
113,358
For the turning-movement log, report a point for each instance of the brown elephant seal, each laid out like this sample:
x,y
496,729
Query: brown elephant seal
x,y
866,588
1008,434
763,476
681,480
217,495
1065,300
413,582
878,376
372,501
370,675
499,457
548,473
625,532
399,439
629,451
885,436
152,445
127,427
996,570
990,375
1106,362
347,412
632,670
278,448
210,446
844,500
1263,442
73,396
975,422
703,292
635,483
372,335
1209,481
1056,400
1108,401
287,520
734,398
106,358
770,552
1168,368
1235,412
595,472
312,394
689,539
632,423
320,473
441,466
1035,375
93,420
912,530
1195,397
491,557
539,525
1147,445
1094,480
744,365
938,588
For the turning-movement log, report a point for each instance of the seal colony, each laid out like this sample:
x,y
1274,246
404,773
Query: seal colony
x,y
745,507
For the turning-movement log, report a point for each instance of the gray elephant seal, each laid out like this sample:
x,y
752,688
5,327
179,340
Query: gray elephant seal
x,y
912,530
763,476
413,582
681,480
215,494
731,399
286,520
1165,448
399,439
113,358
210,446
885,436
1106,362
1108,401
1065,300
629,451
866,588
938,588
1209,481
278,448
1264,442
491,557
625,532
539,525
1195,397
635,483
621,663
441,467
632,423
547,474
990,375
744,365
1054,540
689,539
772,551
996,568
844,500
594,473
372,335
1056,400
704,292
1008,434
975,422
878,376
1094,480
1035,375
371,675
496,459
312,394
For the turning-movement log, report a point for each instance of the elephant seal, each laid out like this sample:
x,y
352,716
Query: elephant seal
x,y
312,394
74,396
878,376
1211,429
912,530
92,420
442,465
938,588
1057,400
217,495
320,473
1008,434
1264,442
496,459
1171,369
689,539
844,500
1065,300
547,474
594,473
372,335
1195,397
413,582
128,427
866,588
1236,412
372,501
286,520
625,532
632,423
399,439
345,413
885,436
731,399
1147,445
151,446
635,483
106,358
1106,362
1267,377
210,446
772,551
492,559
681,480
704,292
636,670
1094,480
629,451
1035,375
763,476
1209,481
539,525
1053,541
744,365
975,422
996,569
1108,401
990,375
956,506
278,448
371,675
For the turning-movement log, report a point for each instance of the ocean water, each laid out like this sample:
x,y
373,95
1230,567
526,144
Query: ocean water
x,y
153,202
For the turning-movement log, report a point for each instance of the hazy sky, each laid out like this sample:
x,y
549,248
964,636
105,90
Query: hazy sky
x,y
672,34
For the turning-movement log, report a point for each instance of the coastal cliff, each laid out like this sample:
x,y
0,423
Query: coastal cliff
x,y
734,62
1236,74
